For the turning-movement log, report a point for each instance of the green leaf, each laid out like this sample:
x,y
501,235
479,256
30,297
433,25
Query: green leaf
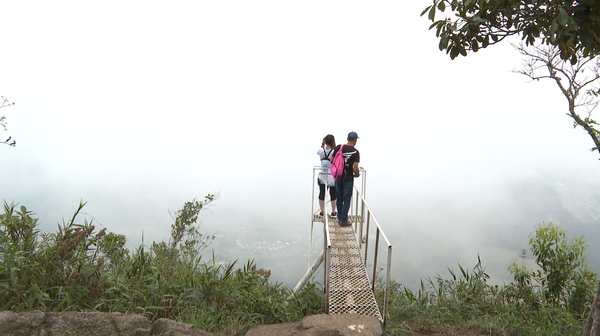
x,y
563,17
530,40
553,28
585,37
571,41
479,20
564,54
454,52
439,29
425,10
442,6
432,13
436,24
443,42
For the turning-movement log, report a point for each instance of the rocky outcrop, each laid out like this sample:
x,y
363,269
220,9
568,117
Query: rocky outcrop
x,y
37,323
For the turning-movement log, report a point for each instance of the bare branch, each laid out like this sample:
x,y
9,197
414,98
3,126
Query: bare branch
x,y
6,103
579,82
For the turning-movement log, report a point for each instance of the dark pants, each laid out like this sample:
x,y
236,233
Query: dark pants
x,y
344,196
332,193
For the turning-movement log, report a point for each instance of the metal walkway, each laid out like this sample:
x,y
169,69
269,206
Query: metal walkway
x,y
350,290
345,253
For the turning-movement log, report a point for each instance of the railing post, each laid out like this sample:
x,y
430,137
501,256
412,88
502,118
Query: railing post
x,y
312,213
328,274
367,236
375,261
357,225
356,208
364,182
387,285
362,220
326,260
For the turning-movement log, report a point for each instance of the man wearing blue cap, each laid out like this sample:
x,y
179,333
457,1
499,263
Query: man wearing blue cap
x,y
345,183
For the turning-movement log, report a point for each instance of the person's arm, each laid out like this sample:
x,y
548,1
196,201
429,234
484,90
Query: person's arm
x,y
355,169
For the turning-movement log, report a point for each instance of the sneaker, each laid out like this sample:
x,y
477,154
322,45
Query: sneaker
x,y
333,215
346,223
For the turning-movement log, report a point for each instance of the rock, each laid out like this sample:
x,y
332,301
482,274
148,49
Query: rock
x,y
37,323
166,327
323,325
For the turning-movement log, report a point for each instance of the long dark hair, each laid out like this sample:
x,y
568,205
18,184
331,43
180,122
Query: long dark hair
x,y
330,140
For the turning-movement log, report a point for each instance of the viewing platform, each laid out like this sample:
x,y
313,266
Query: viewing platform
x,y
346,278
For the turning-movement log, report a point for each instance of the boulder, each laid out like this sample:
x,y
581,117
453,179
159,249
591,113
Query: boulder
x,y
323,325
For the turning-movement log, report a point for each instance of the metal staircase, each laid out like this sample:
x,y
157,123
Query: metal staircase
x,y
350,290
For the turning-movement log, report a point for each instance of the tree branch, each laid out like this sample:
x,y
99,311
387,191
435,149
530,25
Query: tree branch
x,y
6,103
544,62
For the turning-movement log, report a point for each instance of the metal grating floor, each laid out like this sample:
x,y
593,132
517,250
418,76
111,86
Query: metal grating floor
x,y
349,285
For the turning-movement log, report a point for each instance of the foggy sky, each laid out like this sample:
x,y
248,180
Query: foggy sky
x,y
137,107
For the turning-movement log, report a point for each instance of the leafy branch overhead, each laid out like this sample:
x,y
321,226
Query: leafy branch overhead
x,y
572,26
5,103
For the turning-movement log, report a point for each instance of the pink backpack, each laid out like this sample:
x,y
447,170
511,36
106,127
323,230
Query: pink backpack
x,y
337,165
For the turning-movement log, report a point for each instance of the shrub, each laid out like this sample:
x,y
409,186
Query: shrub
x,y
563,279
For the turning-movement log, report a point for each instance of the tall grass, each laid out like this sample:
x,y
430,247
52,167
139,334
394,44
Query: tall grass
x,y
465,300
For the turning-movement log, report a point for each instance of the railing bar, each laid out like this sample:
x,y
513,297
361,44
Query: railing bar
x,y
362,221
387,285
327,267
356,209
363,193
364,181
312,214
367,236
375,260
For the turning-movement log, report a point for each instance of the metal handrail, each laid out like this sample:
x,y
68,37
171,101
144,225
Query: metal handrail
x,y
326,241
379,232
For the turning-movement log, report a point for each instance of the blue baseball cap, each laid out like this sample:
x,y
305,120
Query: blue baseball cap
x,y
352,136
